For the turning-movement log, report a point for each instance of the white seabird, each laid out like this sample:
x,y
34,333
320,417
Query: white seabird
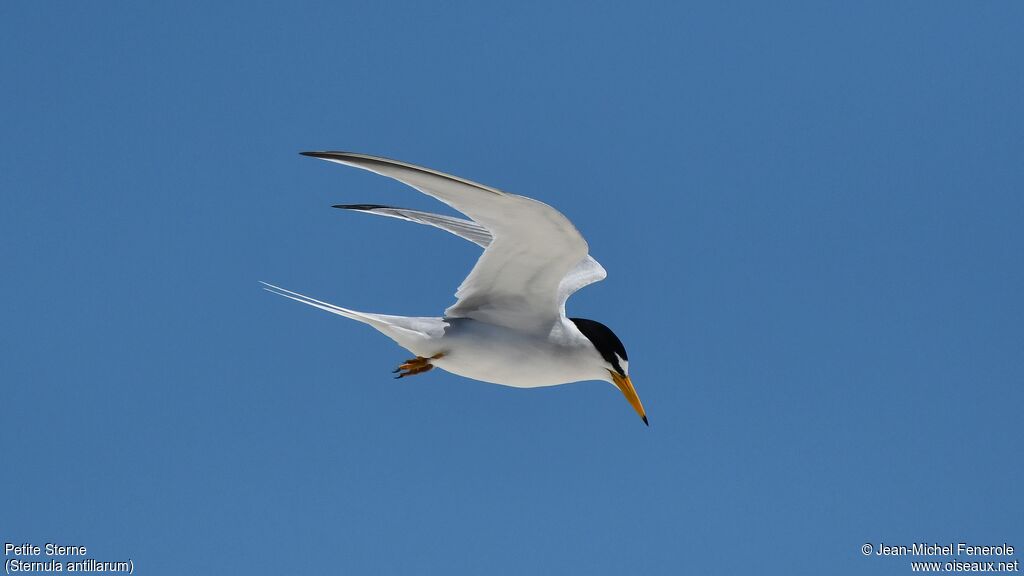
x,y
508,325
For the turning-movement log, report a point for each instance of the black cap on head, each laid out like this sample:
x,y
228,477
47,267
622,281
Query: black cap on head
x,y
606,342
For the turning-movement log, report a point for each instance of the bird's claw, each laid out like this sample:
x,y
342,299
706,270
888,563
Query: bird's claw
x,y
417,365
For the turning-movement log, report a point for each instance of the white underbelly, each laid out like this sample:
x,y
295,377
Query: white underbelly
x,y
500,356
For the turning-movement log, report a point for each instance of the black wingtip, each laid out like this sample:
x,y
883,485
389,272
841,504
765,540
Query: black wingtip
x,y
360,206
645,421
325,155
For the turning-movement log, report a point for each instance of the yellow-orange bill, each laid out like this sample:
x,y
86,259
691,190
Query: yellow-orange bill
x,y
624,384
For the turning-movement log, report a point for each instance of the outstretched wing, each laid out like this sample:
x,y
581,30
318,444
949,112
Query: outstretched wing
x,y
586,271
517,282
467,229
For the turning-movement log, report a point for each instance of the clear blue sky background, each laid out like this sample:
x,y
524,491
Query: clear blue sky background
x,y
811,215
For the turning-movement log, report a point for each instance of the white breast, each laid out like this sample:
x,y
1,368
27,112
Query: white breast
x,y
500,355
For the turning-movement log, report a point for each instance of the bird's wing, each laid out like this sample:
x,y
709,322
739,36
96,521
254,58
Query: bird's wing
x,y
467,229
586,271
518,281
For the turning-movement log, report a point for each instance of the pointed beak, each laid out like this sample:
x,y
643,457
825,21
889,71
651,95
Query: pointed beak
x,y
624,384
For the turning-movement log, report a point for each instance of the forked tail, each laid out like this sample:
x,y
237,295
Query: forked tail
x,y
410,332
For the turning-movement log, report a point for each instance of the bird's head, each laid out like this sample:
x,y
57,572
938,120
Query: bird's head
x,y
613,355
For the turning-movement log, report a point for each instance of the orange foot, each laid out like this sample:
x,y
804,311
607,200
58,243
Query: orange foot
x,y
417,365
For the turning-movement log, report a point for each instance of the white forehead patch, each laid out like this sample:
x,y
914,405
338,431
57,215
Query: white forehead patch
x,y
623,363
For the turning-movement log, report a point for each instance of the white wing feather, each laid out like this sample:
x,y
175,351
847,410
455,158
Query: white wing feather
x,y
467,229
586,271
533,260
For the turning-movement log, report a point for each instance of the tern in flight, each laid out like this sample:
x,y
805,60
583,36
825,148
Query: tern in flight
x,y
508,324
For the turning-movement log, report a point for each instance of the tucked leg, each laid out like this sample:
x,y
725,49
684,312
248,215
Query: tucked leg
x,y
417,365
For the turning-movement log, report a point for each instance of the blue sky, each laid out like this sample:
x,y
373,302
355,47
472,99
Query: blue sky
x,y
810,214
